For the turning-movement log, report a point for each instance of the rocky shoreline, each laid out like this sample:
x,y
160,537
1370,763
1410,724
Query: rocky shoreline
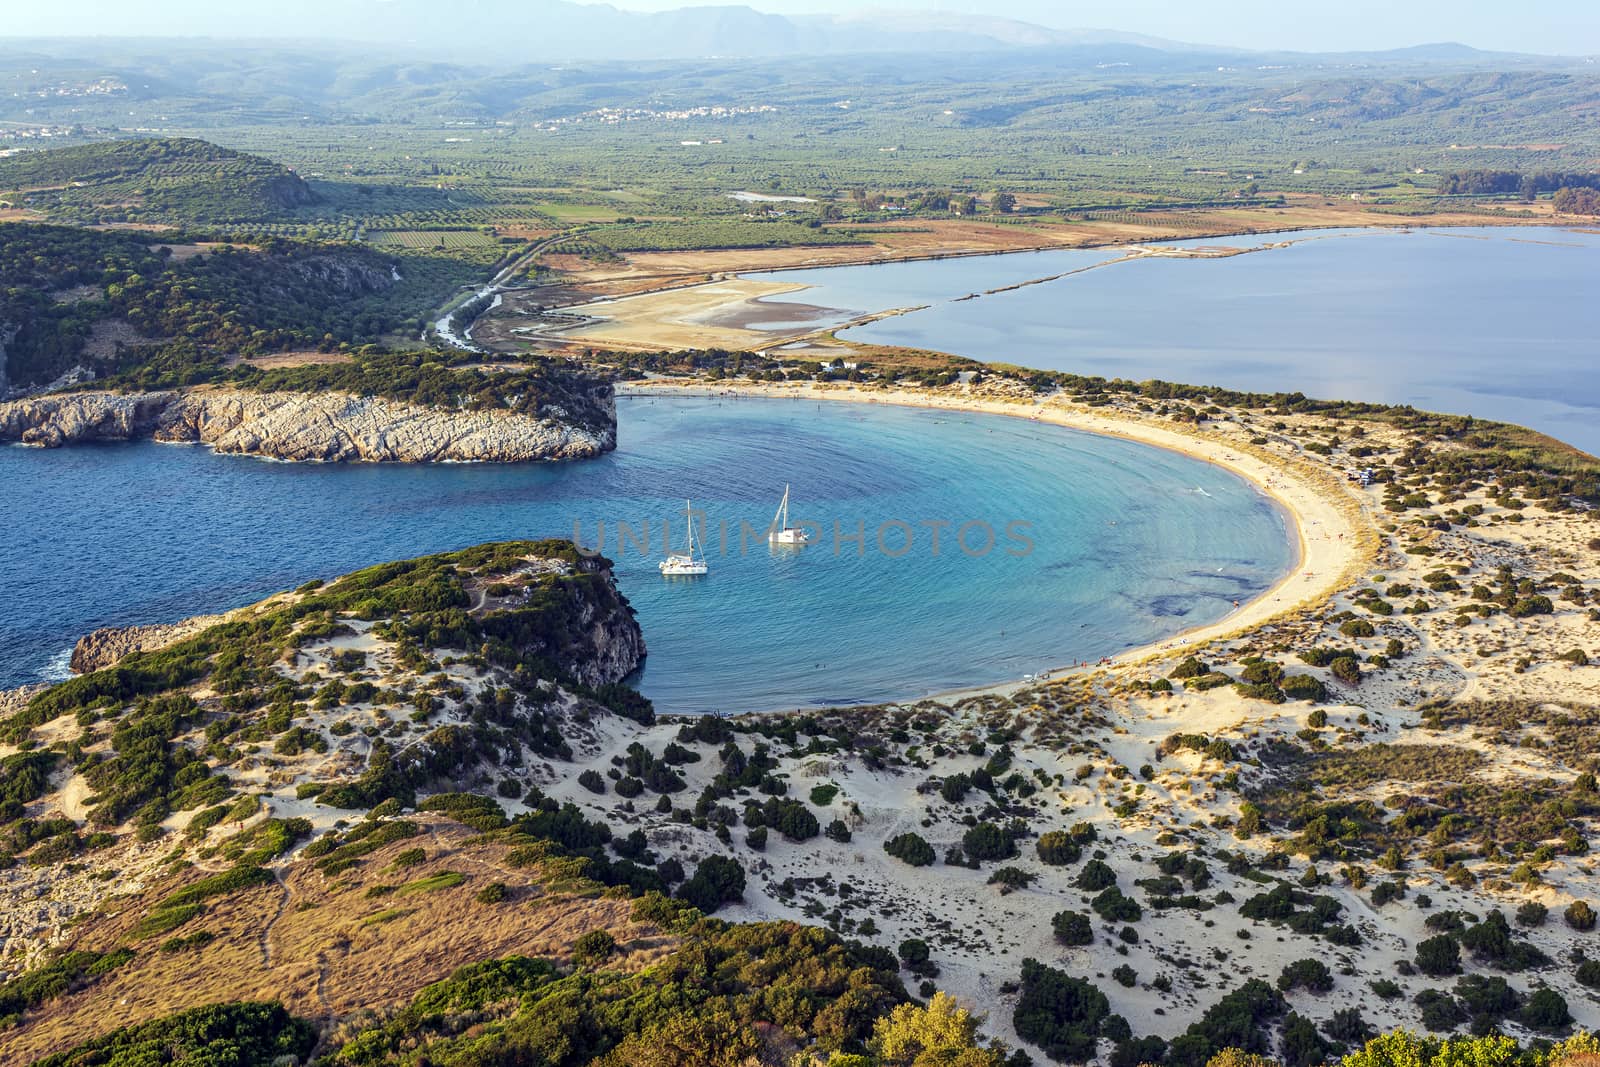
x,y
110,645
302,427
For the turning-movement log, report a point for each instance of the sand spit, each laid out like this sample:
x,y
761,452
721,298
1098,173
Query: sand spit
x,y
728,310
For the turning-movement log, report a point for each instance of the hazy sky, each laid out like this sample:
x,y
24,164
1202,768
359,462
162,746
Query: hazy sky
x,y
1557,27
1565,27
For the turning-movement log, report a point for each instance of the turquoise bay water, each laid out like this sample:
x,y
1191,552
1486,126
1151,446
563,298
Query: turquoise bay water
x,y
1129,543
1500,323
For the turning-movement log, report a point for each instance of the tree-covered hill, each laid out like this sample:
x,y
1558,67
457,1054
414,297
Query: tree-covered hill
x,y
109,301
171,180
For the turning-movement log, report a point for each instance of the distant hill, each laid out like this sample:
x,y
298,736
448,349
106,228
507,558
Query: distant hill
x,y
522,31
176,180
557,29
87,303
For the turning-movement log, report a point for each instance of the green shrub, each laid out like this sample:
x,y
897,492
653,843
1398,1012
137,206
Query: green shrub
x,y
593,948
1240,1020
243,1033
165,919
822,795
717,881
790,818
1072,928
1262,672
1061,1014
1113,906
1095,876
1306,974
910,848
198,939
1009,878
1439,956
1546,1010
1529,606
986,841
1261,691
432,883
57,976
1346,669
1305,687
1057,848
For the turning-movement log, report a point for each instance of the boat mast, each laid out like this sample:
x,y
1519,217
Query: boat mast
x,y
781,519
688,515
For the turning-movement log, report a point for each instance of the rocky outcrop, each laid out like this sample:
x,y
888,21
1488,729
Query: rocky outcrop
x,y
288,191
64,418
580,623
322,427
110,646
609,643
14,700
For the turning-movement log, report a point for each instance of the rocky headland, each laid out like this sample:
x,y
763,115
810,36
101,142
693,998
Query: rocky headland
x,y
305,427
557,633
110,645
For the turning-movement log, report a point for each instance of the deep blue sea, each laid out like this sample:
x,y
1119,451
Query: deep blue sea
x,y
1126,543
1498,322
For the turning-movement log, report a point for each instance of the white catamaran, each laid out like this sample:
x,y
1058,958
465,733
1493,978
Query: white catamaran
x,y
686,563
781,533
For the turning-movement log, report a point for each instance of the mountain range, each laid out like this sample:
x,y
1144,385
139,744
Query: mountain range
x,y
546,30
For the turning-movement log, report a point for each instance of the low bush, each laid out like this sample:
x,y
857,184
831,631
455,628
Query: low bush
x,y
910,848
1072,928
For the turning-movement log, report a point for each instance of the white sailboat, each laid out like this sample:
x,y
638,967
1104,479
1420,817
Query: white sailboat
x,y
691,562
781,533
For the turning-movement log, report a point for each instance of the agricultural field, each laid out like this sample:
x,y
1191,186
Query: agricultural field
x,y
719,233
570,213
438,240
609,173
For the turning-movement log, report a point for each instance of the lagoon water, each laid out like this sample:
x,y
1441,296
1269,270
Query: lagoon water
x,y
1128,543
1500,323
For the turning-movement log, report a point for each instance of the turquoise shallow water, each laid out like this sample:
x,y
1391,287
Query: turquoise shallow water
x,y
1496,322
1128,543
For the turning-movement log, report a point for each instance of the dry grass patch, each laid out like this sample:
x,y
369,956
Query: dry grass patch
x,y
323,947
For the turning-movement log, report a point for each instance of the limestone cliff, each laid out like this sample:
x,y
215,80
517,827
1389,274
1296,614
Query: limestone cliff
x,y
58,419
323,427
